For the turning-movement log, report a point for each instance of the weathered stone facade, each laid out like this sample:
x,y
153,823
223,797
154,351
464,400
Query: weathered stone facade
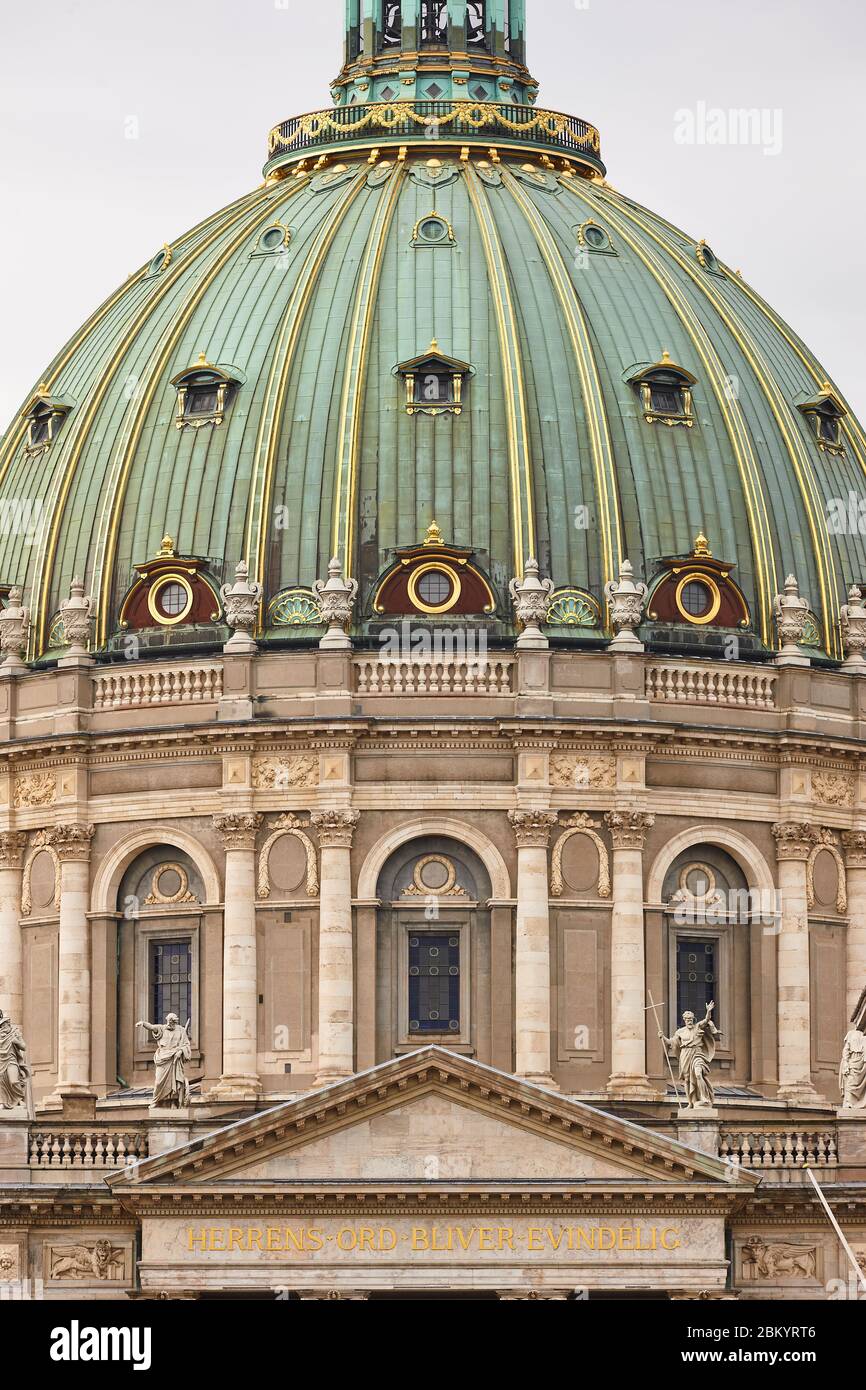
x,y
566,900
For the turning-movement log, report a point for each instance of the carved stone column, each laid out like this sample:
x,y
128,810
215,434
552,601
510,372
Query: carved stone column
x,y
854,843
336,955
794,844
628,830
239,1078
72,846
532,955
12,846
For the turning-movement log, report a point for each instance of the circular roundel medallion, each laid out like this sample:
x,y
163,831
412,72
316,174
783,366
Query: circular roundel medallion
x,y
698,882
169,884
434,874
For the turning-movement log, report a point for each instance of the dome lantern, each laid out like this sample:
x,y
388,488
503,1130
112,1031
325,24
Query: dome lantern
x,y
433,72
444,49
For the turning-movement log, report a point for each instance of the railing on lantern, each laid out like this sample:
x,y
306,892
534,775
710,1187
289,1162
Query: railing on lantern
x,y
466,121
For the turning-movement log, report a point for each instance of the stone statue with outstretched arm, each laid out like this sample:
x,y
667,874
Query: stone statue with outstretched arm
x,y
173,1051
695,1046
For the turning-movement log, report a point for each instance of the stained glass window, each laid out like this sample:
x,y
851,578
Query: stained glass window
x,y
392,24
475,22
434,21
697,982
170,980
434,983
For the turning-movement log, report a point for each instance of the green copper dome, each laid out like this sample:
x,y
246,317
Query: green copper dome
x,y
250,392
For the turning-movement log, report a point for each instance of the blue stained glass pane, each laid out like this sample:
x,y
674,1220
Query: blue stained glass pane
x,y
434,983
170,980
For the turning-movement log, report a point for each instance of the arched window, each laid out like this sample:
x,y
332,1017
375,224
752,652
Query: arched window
x,y
710,911
433,948
160,904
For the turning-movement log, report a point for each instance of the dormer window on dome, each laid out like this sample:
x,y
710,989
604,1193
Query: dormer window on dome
x,y
433,231
170,590
434,579
204,393
434,382
44,416
698,590
665,392
825,412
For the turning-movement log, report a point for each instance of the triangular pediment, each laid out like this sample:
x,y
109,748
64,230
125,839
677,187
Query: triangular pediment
x,y
432,1117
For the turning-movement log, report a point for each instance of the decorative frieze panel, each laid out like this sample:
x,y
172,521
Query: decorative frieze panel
x,y
580,770
833,789
286,774
35,789
97,1261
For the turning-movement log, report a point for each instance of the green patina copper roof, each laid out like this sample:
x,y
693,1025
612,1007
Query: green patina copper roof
x,y
551,455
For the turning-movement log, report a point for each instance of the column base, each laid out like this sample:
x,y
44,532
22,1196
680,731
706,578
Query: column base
x,y
236,1088
621,1087
800,1093
538,1078
76,1102
332,1078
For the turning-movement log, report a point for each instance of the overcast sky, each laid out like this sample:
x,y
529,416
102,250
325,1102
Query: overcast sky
x,y
202,81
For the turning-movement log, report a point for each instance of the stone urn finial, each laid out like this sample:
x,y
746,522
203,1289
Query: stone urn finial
x,y
336,600
14,630
76,613
626,601
531,599
241,604
852,624
791,612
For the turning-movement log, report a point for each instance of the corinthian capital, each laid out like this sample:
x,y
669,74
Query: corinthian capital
x,y
12,846
628,829
795,840
532,828
335,828
854,845
238,829
71,842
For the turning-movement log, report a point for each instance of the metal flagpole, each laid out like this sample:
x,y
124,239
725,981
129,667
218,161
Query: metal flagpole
x,y
838,1229
664,1045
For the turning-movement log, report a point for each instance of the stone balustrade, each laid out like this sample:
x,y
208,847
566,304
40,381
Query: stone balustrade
x,y
434,675
779,1149
729,685
130,686
92,1148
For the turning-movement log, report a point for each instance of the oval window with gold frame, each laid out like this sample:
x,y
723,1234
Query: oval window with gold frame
x,y
434,588
170,600
698,599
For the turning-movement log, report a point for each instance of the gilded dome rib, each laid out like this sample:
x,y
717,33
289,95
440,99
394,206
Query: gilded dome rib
x,y
602,449
797,454
79,439
525,539
345,490
269,430
749,470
